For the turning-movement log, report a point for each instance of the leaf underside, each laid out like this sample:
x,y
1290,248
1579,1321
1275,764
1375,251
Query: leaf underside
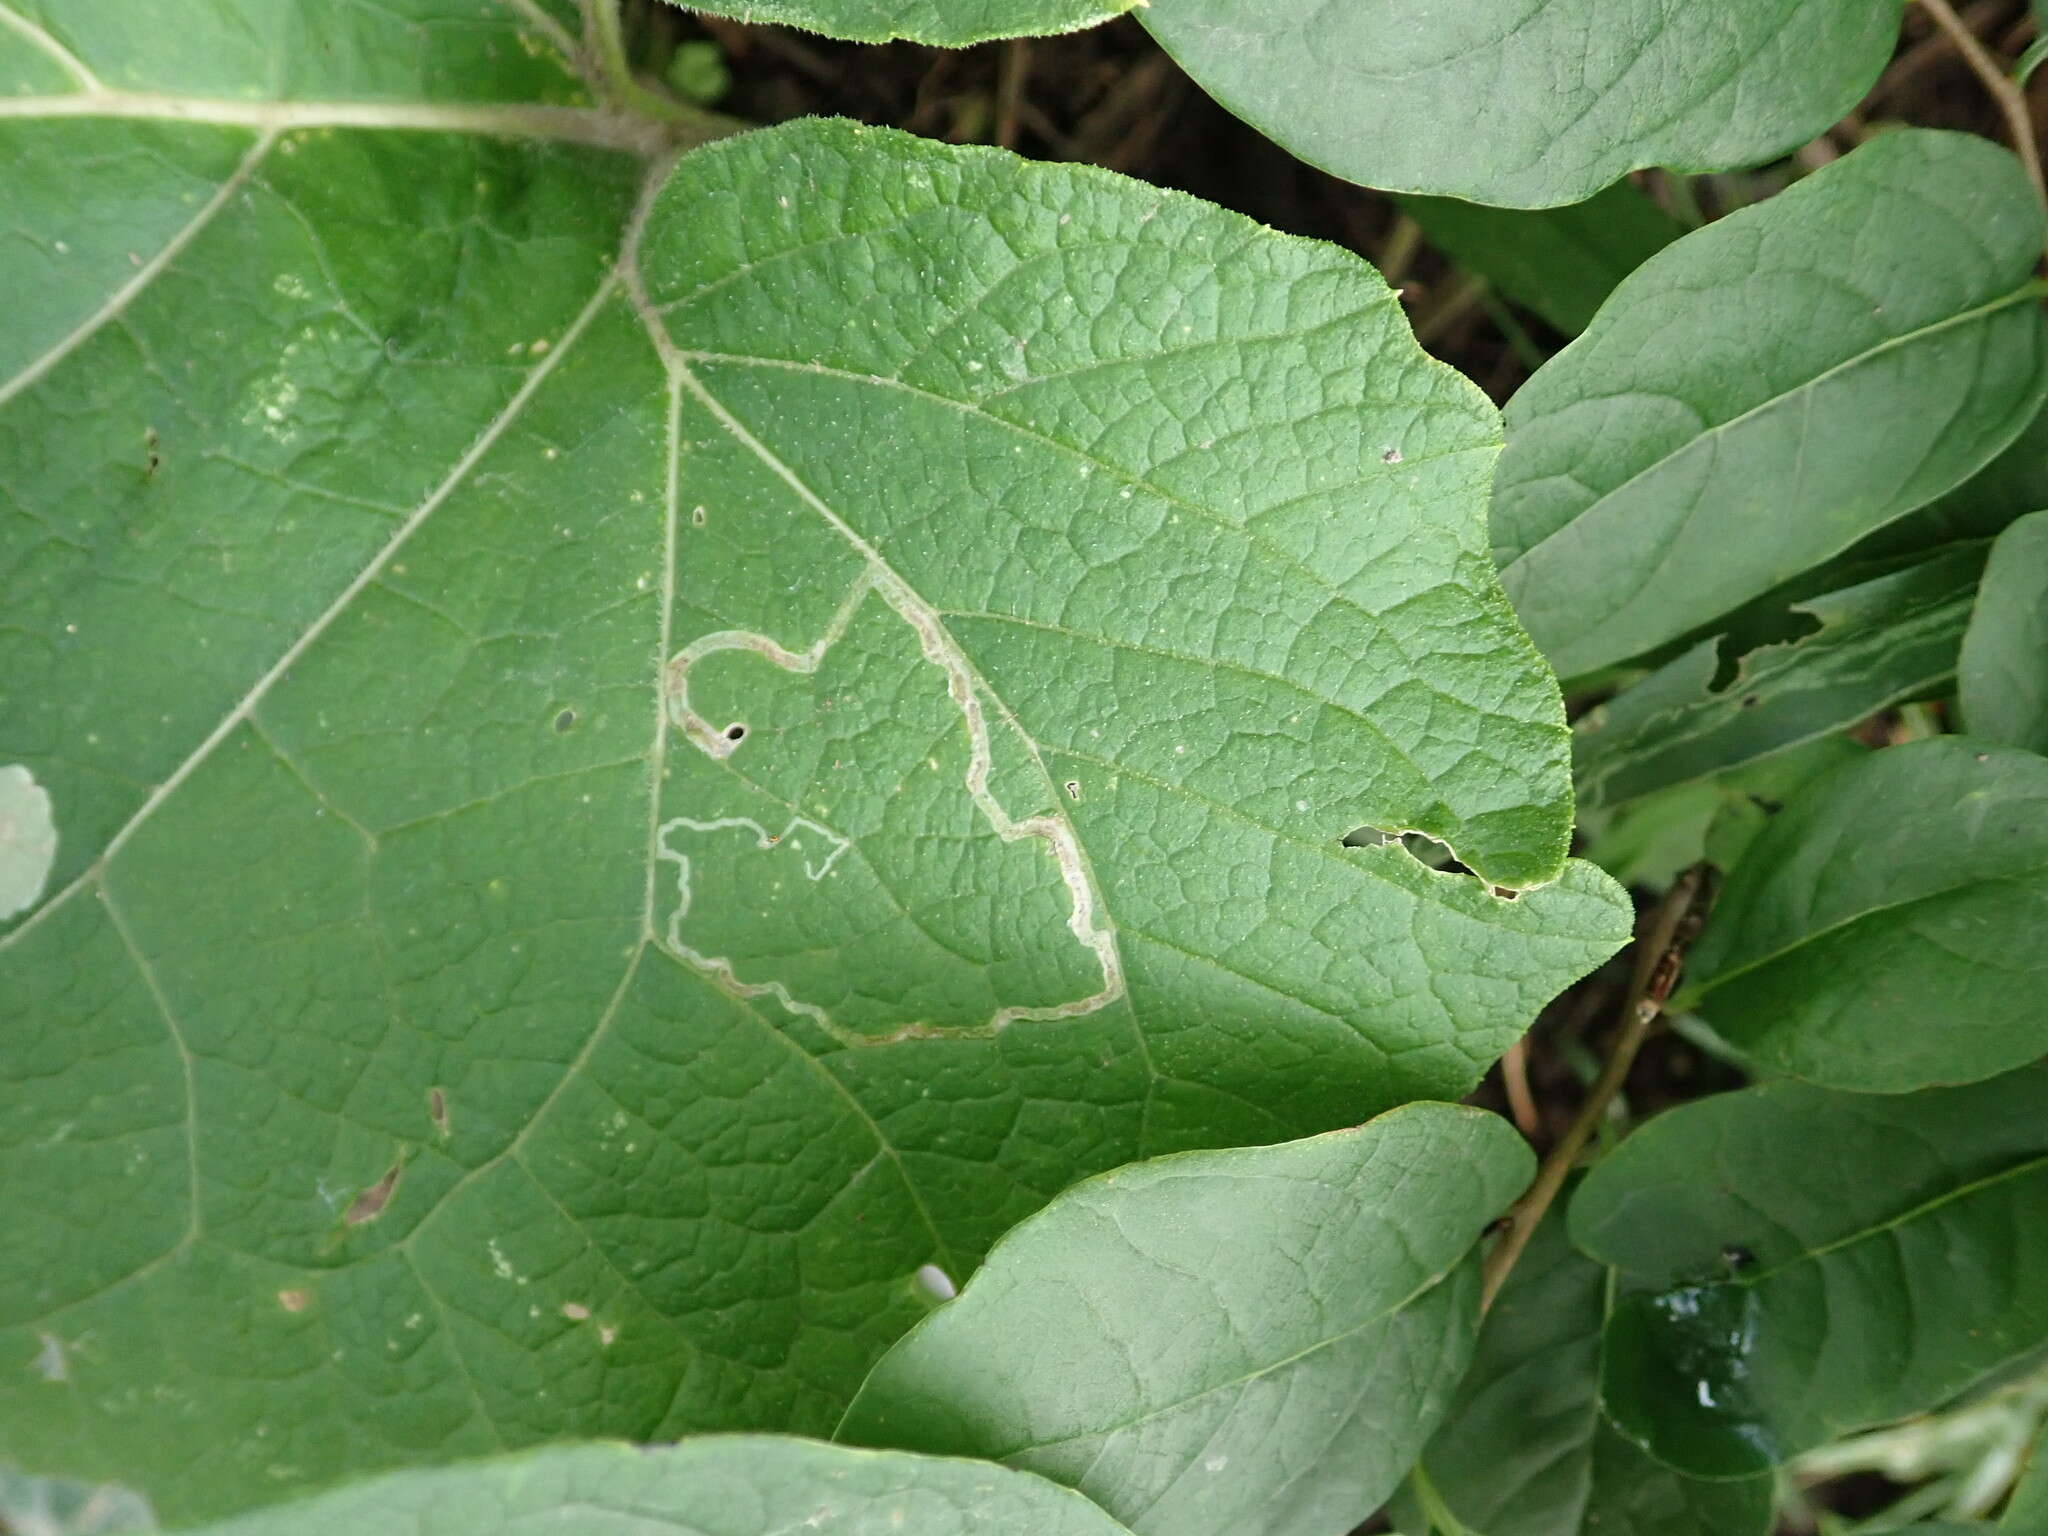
x,y
1554,99
446,1031
939,23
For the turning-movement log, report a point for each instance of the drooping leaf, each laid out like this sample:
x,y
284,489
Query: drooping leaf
x,y
437,1037
2002,676
719,1485
1254,1341
1768,390
1551,101
1526,1451
1799,1262
1879,643
1561,262
941,23
1882,934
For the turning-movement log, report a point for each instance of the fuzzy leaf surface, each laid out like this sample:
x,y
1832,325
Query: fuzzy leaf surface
x,y
437,1031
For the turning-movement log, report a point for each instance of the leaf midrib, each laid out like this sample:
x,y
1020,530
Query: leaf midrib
x,y
2025,292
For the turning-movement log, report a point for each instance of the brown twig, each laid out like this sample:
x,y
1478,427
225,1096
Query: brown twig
x,y
1011,73
1659,953
1514,1076
2001,87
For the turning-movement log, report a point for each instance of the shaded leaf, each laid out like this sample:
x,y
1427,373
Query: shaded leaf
x,y
2002,676
1551,101
723,1485
2026,1513
1769,389
1799,1262
46,1506
1252,1341
1881,934
1880,643
443,1031
1526,1451
942,23
1561,263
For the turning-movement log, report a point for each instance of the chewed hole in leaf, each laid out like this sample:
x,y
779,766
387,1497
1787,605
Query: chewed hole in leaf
x,y
369,1205
736,731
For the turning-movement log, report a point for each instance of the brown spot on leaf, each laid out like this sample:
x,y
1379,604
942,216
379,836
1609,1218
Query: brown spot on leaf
x,y
369,1205
295,1301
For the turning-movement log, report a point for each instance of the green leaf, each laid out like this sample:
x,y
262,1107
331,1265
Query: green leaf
x,y
1768,390
1562,263
1530,105
1799,1262
941,23
2003,672
1983,506
1882,933
435,1037
723,1485
1877,644
1526,1451
1253,1341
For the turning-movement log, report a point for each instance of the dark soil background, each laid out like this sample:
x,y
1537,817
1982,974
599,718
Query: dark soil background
x,y
1109,96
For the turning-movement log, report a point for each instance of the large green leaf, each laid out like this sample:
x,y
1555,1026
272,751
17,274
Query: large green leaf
x,y
1244,1342
2002,675
1561,262
1530,103
1526,1451
943,23
1799,1262
1883,933
1768,390
722,1485
433,1036
1878,643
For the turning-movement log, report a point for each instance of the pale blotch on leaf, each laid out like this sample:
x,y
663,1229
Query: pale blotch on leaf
x,y
28,839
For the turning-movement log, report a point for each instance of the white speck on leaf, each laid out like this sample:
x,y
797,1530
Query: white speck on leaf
x,y
50,1362
28,839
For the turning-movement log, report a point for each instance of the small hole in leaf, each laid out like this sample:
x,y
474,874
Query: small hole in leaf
x,y
564,721
1751,700
1391,456
437,1109
1735,1256
1073,789
735,732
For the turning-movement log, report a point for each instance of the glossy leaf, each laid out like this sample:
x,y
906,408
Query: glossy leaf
x,y
1562,263
1770,389
1550,101
1526,1450
439,1033
942,23
1879,643
1253,1341
723,1485
2003,672
1799,1262
1881,934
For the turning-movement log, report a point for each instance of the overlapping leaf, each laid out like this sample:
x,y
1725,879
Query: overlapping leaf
x,y
2003,669
1253,1342
1770,389
1878,643
722,1485
1526,1451
1798,1262
1882,933
943,23
441,1029
1552,99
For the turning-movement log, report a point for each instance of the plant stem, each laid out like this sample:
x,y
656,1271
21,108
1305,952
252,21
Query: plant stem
x,y
606,40
1658,953
2010,96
